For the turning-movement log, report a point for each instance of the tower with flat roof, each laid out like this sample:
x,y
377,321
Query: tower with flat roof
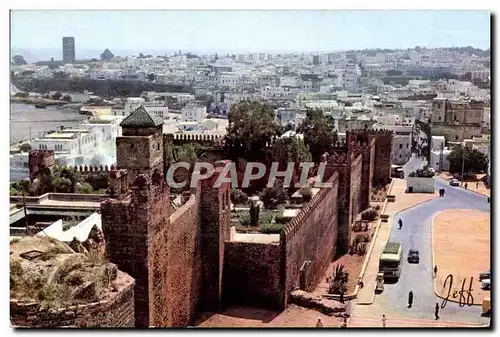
x,y
68,49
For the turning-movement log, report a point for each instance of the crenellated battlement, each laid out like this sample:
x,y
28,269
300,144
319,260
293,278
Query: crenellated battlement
x,y
118,183
217,141
84,168
372,131
297,222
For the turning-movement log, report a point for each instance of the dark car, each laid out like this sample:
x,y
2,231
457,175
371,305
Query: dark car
x,y
413,256
485,275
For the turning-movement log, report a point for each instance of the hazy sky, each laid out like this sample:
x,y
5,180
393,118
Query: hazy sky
x,y
240,31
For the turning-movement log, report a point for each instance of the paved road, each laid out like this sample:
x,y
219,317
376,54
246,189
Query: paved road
x,y
416,234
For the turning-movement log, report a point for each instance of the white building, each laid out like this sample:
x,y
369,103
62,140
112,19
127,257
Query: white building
x,y
483,75
286,116
192,113
401,149
439,154
67,142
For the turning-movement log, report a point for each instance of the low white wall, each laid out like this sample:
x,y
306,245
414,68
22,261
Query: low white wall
x,y
420,185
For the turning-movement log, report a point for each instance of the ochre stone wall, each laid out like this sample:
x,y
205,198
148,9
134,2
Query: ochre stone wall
x,y
139,154
310,236
382,169
182,264
456,133
356,201
252,274
215,215
115,312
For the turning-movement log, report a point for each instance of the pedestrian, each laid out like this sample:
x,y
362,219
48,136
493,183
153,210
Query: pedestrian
x,y
342,296
383,320
319,323
344,325
360,282
436,311
477,185
400,223
465,185
435,271
410,298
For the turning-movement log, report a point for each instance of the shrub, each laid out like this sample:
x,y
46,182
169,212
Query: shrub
x,y
356,240
279,219
376,207
238,196
271,228
337,287
422,173
369,215
365,237
362,248
272,197
84,188
339,273
254,214
245,220
306,194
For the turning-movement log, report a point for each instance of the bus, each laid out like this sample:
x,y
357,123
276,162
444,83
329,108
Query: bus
x,y
390,260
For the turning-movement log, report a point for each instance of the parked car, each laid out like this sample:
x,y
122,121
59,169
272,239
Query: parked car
x,y
413,256
485,275
454,182
486,284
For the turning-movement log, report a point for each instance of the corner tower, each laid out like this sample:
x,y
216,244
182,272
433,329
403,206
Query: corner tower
x,y
140,148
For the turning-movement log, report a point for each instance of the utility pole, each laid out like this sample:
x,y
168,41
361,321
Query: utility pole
x,y
26,224
463,164
441,157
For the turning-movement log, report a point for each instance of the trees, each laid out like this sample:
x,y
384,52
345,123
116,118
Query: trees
x,y
254,214
84,188
56,96
251,128
67,98
238,196
26,147
473,160
318,132
339,281
274,196
288,150
62,185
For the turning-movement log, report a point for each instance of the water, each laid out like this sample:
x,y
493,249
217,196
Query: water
x,y
24,116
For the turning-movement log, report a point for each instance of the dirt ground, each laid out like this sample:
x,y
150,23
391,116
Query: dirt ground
x,y
352,265
247,317
471,185
461,247
406,200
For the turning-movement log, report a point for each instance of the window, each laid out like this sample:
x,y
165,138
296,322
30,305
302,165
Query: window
x,y
407,145
400,146
439,117
103,130
456,137
131,145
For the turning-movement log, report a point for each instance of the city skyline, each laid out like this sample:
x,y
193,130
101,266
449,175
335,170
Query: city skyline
x,y
245,31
